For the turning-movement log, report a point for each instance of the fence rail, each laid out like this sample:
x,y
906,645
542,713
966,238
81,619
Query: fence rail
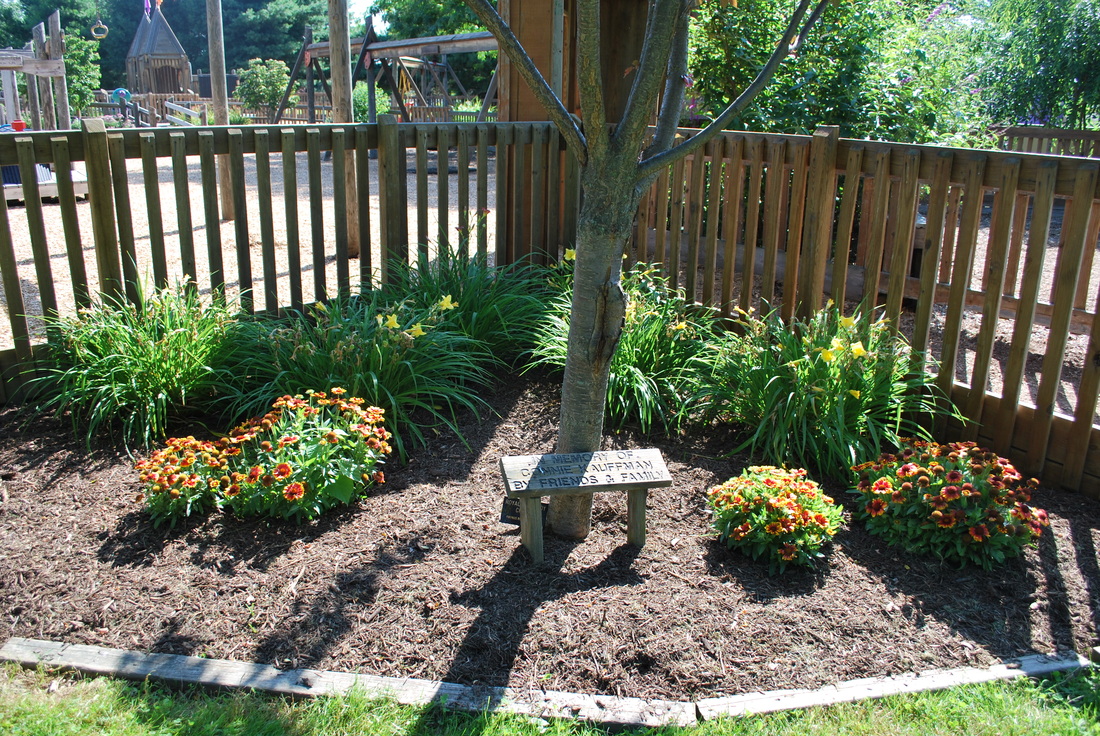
x,y
985,258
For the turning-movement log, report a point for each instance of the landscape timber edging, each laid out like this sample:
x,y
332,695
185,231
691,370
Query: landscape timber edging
x,y
220,673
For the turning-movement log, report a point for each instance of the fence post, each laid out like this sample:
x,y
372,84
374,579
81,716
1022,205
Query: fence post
x,y
393,201
818,222
101,203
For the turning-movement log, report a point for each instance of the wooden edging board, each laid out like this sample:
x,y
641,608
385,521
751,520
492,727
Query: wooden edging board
x,y
220,673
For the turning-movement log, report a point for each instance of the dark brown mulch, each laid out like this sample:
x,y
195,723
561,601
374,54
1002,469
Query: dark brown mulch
x,y
421,579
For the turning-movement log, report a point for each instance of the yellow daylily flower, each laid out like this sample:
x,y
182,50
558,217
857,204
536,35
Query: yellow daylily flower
x,y
416,330
847,322
570,254
391,322
837,345
858,350
828,356
680,326
447,303
854,392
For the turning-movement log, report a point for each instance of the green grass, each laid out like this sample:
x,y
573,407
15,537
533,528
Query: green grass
x,y
105,707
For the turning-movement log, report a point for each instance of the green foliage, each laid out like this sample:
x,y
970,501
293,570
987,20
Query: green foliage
x,y
12,20
499,307
774,513
653,367
878,69
82,74
819,394
262,83
305,456
402,358
1043,67
360,101
117,364
958,502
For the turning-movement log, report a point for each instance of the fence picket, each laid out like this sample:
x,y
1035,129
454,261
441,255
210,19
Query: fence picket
x,y
774,184
290,211
262,143
183,208
714,201
212,215
996,258
340,210
970,219
240,219
753,204
1042,209
1065,291
908,192
842,244
930,250
155,216
316,214
799,184
731,215
362,185
78,273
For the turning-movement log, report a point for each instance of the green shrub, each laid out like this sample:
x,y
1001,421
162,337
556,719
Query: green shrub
x,y
958,502
118,364
819,394
500,307
404,359
774,513
305,456
263,83
653,368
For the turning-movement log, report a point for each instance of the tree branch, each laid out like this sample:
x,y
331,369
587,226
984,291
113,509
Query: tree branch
x,y
668,120
511,46
590,73
663,22
795,29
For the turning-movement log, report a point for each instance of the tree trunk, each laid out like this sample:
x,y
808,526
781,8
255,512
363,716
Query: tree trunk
x,y
595,325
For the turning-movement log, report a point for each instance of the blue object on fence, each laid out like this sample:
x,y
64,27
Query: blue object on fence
x,y
121,95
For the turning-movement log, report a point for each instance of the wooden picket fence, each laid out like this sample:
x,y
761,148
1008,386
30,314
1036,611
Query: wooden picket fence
x,y
978,255
941,235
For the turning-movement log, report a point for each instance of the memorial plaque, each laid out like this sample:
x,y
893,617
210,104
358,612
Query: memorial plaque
x,y
509,511
608,470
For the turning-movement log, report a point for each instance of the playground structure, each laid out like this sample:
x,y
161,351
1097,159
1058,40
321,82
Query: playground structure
x,y
419,87
156,62
42,62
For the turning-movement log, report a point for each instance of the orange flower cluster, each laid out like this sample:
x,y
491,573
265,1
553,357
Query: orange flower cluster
x,y
263,466
942,498
774,510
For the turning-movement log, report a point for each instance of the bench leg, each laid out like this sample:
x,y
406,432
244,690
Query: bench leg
x,y
530,526
635,517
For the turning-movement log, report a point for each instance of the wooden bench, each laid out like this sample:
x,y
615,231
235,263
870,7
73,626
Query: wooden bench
x,y
530,477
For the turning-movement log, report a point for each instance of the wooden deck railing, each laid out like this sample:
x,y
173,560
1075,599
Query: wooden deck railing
x,y
985,258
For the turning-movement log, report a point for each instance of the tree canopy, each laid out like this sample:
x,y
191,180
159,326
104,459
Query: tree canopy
x,y
877,68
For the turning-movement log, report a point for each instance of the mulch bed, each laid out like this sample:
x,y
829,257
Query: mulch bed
x,y
421,579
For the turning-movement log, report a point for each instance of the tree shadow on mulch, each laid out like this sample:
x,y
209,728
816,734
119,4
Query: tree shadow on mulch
x,y
508,602
961,597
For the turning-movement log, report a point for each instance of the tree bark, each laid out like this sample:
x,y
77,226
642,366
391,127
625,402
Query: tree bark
x,y
595,324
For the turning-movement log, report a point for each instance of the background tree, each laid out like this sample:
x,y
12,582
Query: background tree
x,y
878,69
12,34
419,18
619,159
1044,67
81,72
